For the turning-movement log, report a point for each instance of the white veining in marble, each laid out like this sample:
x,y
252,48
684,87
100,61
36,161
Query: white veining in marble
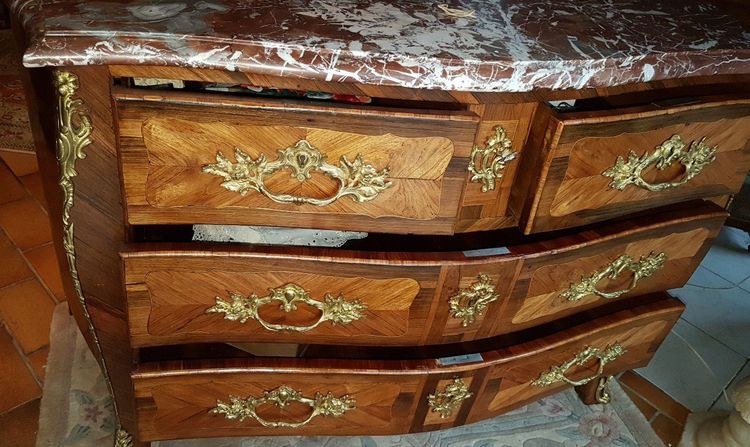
x,y
510,46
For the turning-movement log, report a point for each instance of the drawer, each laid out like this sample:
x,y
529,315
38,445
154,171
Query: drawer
x,y
191,292
423,391
257,162
594,166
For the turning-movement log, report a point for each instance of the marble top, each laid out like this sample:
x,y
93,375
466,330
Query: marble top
x,y
504,46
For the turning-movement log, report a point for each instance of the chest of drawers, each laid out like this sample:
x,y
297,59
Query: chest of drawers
x,y
515,246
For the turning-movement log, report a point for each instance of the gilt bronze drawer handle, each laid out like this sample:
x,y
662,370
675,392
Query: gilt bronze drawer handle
x,y
357,179
337,310
557,373
488,162
447,401
321,404
645,267
468,304
629,172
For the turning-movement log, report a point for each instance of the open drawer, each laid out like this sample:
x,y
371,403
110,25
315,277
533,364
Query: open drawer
x,y
195,292
191,158
594,166
392,391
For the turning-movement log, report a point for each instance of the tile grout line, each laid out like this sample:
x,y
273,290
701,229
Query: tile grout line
x,y
712,338
724,388
31,193
37,350
743,251
629,390
25,280
24,357
36,247
717,274
657,411
743,282
34,276
32,268
37,274
656,415
12,409
20,250
706,366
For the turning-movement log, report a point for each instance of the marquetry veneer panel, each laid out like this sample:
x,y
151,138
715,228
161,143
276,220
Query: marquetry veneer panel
x,y
405,296
175,399
579,148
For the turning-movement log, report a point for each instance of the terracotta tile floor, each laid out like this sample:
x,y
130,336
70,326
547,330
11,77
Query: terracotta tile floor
x,y
666,416
30,287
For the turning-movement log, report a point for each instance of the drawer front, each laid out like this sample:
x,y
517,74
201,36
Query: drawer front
x,y
560,283
294,165
220,297
603,165
326,296
366,397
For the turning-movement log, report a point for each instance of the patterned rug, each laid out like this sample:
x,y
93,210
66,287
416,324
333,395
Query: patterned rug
x,y
76,411
15,133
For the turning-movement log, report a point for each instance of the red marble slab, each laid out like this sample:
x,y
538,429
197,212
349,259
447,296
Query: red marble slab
x,y
504,46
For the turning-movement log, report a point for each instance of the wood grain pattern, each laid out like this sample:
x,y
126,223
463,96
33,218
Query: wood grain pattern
x,y
551,277
169,290
164,146
99,225
178,149
39,84
387,301
485,210
100,231
159,138
174,398
638,341
169,295
579,147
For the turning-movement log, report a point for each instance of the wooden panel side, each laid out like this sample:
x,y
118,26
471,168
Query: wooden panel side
x,y
532,166
38,83
98,231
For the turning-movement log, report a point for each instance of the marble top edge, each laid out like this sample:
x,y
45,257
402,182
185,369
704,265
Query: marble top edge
x,y
357,41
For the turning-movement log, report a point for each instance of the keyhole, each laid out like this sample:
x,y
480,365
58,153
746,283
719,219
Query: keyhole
x,y
302,160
